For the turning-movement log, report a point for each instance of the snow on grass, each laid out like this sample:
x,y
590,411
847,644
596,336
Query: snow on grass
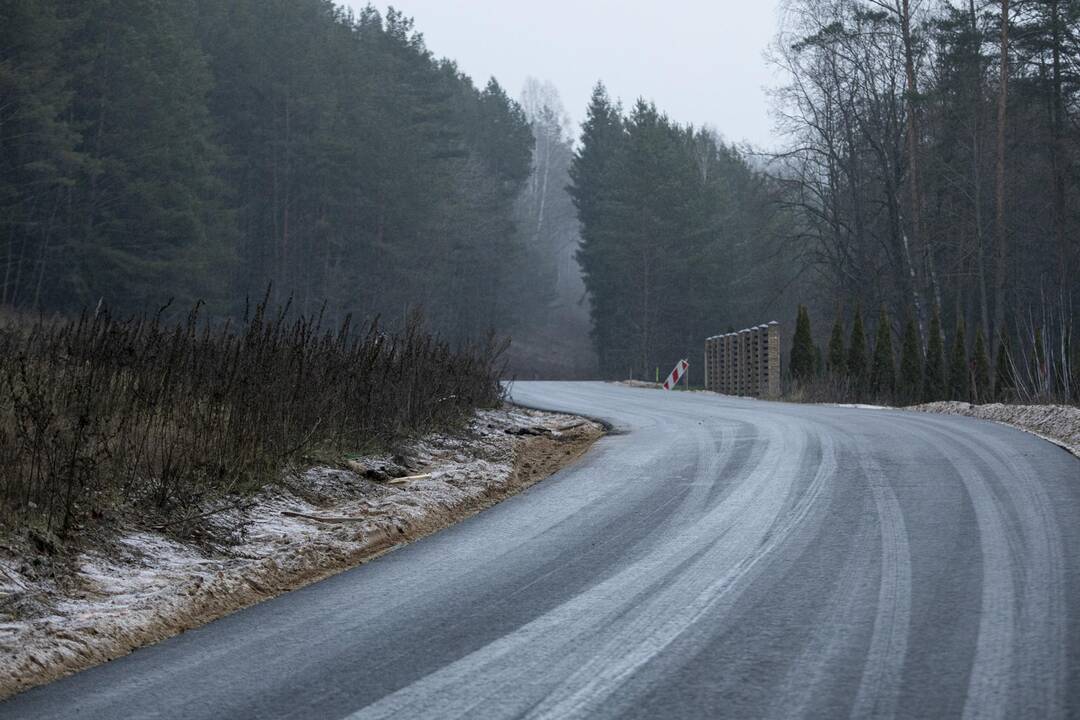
x,y
146,586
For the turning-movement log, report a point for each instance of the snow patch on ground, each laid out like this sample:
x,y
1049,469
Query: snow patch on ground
x,y
146,586
1059,424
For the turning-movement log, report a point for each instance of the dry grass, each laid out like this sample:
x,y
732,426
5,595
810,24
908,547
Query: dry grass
x,y
100,412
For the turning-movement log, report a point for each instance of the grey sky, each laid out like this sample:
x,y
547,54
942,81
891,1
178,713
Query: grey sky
x,y
699,60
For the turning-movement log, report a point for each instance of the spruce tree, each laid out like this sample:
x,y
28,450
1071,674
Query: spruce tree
x,y
883,371
802,349
837,361
959,373
366,172
37,143
152,223
1004,381
910,363
934,381
982,369
856,361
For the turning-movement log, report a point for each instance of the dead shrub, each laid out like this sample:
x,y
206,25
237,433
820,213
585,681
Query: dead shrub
x,y
160,416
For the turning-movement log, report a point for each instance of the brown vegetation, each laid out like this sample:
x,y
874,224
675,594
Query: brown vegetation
x,y
101,412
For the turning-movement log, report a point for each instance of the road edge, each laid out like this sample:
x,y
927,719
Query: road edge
x,y
531,465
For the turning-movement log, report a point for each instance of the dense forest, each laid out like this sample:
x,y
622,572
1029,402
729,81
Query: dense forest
x,y
932,166
676,233
210,149
928,182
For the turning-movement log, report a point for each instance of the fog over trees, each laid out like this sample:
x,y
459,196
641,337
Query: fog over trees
x,y
676,229
553,338
210,149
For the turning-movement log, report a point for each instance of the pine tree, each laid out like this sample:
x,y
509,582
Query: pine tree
x,y
982,369
959,372
802,349
856,360
883,371
38,161
149,222
911,363
1004,380
935,385
837,362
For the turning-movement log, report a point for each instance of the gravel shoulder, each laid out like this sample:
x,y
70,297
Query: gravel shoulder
x,y
61,612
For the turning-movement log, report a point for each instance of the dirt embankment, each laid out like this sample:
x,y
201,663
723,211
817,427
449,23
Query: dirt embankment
x,y
63,610
1059,424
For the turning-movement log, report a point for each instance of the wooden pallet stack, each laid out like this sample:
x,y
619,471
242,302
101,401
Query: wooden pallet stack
x,y
745,363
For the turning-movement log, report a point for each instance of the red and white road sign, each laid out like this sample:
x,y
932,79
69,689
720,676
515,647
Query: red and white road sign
x,y
676,374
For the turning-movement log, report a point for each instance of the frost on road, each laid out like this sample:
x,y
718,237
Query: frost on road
x,y
710,557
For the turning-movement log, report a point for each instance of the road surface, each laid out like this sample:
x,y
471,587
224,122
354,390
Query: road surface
x,y
713,557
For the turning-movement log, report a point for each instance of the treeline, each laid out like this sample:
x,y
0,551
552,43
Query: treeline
x,y
675,237
853,367
933,163
209,148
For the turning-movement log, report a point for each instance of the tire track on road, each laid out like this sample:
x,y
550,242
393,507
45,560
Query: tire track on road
x,y
699,563
1028,548
879,689
731,532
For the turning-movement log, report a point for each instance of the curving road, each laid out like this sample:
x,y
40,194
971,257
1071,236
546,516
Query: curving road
x,y
714,557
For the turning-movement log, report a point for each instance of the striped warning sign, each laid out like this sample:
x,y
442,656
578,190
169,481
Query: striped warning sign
x,y
676,374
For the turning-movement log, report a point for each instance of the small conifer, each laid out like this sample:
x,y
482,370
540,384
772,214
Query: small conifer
x,y
911,363
802,349
856,361
837,360
1004,382
959,373
883,371
981,362
934,385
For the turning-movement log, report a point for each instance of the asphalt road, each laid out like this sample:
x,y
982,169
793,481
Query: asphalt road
x,y
712,558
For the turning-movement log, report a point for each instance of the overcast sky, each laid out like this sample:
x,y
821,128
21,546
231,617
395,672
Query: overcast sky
x,y
699,60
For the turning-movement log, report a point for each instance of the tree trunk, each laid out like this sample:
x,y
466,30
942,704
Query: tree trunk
x,y
1000,249
975,80
1058,150
918,239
